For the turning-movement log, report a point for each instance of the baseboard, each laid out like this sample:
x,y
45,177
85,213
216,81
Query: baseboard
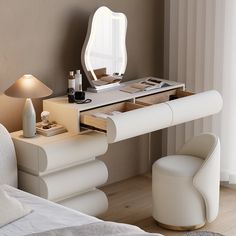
x,y
226,184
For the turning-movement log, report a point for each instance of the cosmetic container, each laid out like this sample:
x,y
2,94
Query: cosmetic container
x,y
71,87
79,93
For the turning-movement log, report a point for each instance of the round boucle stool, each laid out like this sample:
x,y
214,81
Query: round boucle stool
x,y
185,191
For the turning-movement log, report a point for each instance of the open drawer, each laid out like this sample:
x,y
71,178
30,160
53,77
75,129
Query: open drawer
x,y
162,97
149,113
97,118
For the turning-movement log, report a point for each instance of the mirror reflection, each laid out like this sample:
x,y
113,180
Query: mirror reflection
x,y
104,56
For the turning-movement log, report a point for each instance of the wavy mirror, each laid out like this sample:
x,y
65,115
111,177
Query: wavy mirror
x,y
104,56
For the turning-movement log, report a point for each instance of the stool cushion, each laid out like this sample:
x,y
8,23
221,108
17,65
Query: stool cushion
x,y
178,165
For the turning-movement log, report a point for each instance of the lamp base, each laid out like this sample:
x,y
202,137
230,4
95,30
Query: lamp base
x,y
29,119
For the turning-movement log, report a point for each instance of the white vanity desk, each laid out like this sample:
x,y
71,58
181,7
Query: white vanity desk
x,y
63,168
68,114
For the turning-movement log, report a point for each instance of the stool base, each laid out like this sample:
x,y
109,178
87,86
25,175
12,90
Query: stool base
x,y
181,228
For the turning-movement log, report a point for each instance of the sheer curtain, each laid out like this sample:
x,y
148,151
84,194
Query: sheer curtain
x,y
200,50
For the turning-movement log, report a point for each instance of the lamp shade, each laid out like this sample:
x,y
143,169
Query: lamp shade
x,y
28,87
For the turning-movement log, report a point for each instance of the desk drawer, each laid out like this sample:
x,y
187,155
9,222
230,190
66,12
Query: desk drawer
x,y
162,97
91,118
152,113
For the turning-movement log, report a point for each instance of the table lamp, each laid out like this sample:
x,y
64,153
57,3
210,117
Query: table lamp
x,y
28,87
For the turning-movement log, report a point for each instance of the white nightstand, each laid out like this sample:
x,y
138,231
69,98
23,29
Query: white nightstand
x,y
63,169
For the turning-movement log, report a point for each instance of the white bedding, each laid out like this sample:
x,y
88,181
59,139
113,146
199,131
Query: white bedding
x,y
11,209
45,216
51,219
101,228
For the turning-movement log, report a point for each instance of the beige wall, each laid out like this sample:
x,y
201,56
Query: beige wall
x,y
45,38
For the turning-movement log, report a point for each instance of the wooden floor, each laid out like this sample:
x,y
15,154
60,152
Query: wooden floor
x,y
130,202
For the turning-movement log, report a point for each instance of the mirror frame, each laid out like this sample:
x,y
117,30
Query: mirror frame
x,y
89,75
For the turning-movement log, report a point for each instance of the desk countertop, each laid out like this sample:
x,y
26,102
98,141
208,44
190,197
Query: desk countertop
x,y
112,96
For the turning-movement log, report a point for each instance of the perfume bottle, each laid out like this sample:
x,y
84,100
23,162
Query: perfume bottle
x,y
71,87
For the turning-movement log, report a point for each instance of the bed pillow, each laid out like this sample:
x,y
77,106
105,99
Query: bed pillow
x,y
11,209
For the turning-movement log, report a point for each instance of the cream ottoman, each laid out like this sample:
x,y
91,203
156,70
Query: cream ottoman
x,y
185,187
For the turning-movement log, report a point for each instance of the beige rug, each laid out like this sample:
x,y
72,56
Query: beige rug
x,y
202,233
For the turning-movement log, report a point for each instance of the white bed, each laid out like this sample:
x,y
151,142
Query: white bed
x,y
46,218
45,215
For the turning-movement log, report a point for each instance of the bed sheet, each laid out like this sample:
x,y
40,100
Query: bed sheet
x,y
46,215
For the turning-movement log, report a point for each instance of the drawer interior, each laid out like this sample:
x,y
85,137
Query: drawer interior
x,y
162,97
97,117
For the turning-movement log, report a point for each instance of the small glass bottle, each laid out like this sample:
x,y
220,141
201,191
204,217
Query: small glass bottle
x,y
71,87
78,81
79,93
